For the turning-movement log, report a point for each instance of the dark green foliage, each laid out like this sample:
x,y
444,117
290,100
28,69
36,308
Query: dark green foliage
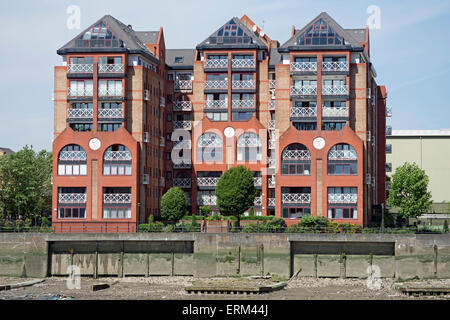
x,y
173,204
205,211
275,225
445,228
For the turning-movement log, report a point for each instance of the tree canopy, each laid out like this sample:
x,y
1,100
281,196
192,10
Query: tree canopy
x,y
173,204
409,191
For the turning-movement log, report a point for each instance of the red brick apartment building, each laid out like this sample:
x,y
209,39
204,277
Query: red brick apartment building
x,y
133,118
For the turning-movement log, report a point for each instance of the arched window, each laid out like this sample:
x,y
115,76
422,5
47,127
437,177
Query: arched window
x,y
248,147
117,161
342,160
72,161
209,147
296,160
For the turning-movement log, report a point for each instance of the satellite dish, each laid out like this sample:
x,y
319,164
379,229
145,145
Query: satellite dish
x,y
261,33
254,28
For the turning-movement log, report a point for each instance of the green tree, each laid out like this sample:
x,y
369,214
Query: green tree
x,y
25,181
409,191
173,204
235,192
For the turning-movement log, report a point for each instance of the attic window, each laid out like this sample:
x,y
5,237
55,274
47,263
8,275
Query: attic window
x,y
320,34
178,59
230,33
99,35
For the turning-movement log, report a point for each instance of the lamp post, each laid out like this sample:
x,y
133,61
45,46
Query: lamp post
x,y
18,212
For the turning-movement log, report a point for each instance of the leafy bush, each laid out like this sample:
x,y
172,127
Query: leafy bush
x,y
313,223
274,225
445,228
205,210
173,204
151,227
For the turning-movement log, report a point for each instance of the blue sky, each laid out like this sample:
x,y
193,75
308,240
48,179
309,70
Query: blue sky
x,y
409,51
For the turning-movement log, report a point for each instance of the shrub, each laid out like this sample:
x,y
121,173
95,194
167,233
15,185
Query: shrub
x,y
205,210
445,228
45,222
313,223
276,225
173,204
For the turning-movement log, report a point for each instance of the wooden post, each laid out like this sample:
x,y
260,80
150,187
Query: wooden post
x,y
315,265
435,249
238,269
96,262
343,265
262,259
147,267
173,264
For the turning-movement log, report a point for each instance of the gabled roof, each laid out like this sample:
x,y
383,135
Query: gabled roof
x,y
350,38
147,36
240,37
125,40
274,58
6,150
186,55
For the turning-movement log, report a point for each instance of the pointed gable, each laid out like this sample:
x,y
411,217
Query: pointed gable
x,y
320,33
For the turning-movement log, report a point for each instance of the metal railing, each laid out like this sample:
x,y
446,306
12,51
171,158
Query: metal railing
x,y
111,68
116,113
388,112
185,125
335,66
80,113
207,181
243,104
296,155
216,104
80,92
162,142
242,63
146,94
296,198
117,198
216,84
182,182
71,197
72,156
271,202
110,92
271,105
335,90
271,124
299,112
342,198
257,181
272,182
342,155
207,200
183,84
181,165
258,201
182,106
80,68
307,90
117,156
334,112
303,66
243,84
272,84
216,63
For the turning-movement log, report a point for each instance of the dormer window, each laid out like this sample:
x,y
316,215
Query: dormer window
x,y
320,34
178,60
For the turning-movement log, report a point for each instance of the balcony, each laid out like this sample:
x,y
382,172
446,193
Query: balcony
x,y
182,165
110,92
272,163
216,84
71,198
389,148
80,113
271,124
388,112
146,95
342,155
161,182
80,92
272,144
289,198
116,198
243,104
243,63
117,156
207,181
342,198
388,130
116,113
337,90
271,105
216,64
184,125
296,155
307,90
258,201
162,142
206,200
111,68
257,181
162,102
272,84
80,68
216,104
183,85
243,84
272,182
335,66
182,182
271,202
72,156
182,106
307,112
303,67
334,112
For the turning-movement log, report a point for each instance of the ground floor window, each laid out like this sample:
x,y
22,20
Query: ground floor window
x,y
295,212
341,212
116,213
117,169
71,212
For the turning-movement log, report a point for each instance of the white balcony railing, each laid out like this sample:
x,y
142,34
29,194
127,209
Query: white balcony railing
x,y
272,84
342,198
303,66
182,182
110,92
342,155
182,106
71,198
296,155
272,182
271,124
296,198
80,113
334,112
117,156
116,113
117,198
243,84
146,95
272,163
388,130
72,156
272,105
299,112
207,181
307,90
206,200
80,68
183,85
185,125
243,104
335,66
335,90
242,63
257,181
216,63
111,68
216,84
272,144
388,112
216,104
258,201
162,102
271,202
80,92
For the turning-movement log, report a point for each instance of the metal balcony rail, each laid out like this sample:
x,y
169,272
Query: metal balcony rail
x,y
216,63
342,155
296,155
342,198
80,92
243,63
117,156
71,198
182,106
207,181
110,113
243,84
303,66
388,112
272,144
182,182
117,198
183,85
162,142
185,144
272,105
272,163
335,90
271,124
185,125
389,148
110,92
161,182
299,112
209,141
258,201
146,94
257,181
111,68
182,165
80,68
271,202
334,112
72,156
207,200
296,198
216,104
272,182
243,104
334,66
216,84
272,84
388,130
162,102
80,113
307,90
